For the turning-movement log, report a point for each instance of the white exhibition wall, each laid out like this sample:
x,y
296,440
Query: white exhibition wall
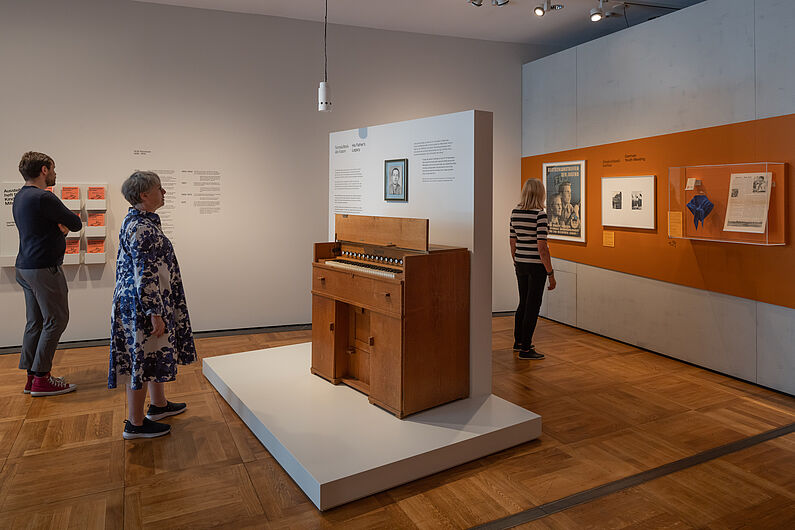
x,y
714,63
443,177
108,86
441,170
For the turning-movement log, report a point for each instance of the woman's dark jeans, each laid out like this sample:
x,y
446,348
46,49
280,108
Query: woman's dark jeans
x,y
531,278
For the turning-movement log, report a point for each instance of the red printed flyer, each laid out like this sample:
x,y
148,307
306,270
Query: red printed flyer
x,y
96,218
73,246
70,193
96,193
95,246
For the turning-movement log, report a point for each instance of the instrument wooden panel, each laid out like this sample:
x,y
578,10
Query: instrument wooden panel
x,y
357,289
398,232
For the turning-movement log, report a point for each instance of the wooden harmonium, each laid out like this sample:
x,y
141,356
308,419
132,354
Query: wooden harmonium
x,y
390,313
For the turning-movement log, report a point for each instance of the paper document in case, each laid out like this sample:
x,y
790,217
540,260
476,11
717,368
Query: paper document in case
x,y
748,202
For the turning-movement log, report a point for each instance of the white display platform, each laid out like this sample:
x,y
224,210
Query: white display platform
x,y
337,446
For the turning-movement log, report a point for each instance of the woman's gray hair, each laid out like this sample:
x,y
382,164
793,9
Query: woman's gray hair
x,y
138,183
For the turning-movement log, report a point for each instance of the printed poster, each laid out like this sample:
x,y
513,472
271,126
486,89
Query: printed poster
x,y
565,185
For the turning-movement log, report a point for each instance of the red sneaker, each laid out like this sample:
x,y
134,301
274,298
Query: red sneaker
x,y
50,386
28,384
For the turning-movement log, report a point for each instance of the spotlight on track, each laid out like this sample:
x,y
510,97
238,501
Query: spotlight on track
x,y
597,13
476,3
542,9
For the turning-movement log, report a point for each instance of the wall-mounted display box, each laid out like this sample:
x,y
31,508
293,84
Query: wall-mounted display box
x,y
95,224
95,250
95,197
72,256
71,197
732,203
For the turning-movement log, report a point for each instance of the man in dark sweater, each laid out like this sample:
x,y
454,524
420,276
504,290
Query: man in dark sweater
x,y
43,222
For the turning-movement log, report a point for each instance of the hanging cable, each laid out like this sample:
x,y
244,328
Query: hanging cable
x,y
323,91
325,52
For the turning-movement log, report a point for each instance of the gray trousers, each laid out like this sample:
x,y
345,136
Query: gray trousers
x,y
47,311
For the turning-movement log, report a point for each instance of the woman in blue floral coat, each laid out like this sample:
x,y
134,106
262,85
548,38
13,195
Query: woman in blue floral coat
x,y
150,327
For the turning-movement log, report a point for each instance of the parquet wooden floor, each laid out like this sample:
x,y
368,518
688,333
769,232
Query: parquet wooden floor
x,y
609,411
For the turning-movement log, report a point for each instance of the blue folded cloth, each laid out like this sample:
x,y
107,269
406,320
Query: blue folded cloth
x,y
700,205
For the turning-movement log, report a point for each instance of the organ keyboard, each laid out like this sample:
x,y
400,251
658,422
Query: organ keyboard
x,y
390,313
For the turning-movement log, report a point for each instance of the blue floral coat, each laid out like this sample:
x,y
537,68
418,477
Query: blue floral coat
x,y
148,282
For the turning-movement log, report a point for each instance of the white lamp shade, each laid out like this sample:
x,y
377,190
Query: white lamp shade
x,y
324,97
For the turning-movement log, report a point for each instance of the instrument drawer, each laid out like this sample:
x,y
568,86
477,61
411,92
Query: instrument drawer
x,y
358,289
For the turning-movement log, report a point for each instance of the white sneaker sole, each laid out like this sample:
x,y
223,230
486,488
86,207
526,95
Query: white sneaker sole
x,y
134,435
71,388
155,417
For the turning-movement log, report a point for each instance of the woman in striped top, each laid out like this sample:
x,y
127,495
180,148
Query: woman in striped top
x,y
532,262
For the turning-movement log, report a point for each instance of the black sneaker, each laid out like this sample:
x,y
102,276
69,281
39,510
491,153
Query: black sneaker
x,y
530,354
518,347
149,429
171,409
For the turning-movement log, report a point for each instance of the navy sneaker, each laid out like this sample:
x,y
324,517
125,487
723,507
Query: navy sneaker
x,y
518,347
148,429
530,354
171,409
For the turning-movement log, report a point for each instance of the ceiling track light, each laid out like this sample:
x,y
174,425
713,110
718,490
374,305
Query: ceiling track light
x,y
618,10
542,9
498,3
597,13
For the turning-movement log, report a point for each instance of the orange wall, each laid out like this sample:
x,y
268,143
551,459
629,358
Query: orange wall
x,y
766,274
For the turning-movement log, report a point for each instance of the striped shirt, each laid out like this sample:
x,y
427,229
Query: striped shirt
x,y
527,227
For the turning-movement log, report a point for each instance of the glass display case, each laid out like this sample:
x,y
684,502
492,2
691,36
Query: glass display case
x,y
732,203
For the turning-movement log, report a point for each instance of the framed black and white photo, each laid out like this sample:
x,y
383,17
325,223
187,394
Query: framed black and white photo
x,y
628,202
396,180
565,184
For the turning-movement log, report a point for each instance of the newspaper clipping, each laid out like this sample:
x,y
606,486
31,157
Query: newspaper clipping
x,y
749,200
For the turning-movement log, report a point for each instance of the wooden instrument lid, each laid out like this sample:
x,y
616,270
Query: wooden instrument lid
x,y
400,232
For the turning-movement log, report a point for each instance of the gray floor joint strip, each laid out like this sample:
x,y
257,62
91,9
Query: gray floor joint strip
x,y
582,497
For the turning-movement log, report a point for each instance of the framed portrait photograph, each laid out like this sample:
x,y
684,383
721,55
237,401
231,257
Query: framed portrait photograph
x,y
565,184
396,180
628,202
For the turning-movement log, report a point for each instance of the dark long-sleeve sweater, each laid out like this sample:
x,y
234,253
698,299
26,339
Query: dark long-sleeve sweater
x,y
37,214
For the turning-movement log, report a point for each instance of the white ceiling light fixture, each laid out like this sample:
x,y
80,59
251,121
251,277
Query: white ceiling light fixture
x,y
498,3
597,13
324,91
542,9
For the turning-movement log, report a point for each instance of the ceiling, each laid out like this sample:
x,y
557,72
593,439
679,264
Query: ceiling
x,y
513,22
